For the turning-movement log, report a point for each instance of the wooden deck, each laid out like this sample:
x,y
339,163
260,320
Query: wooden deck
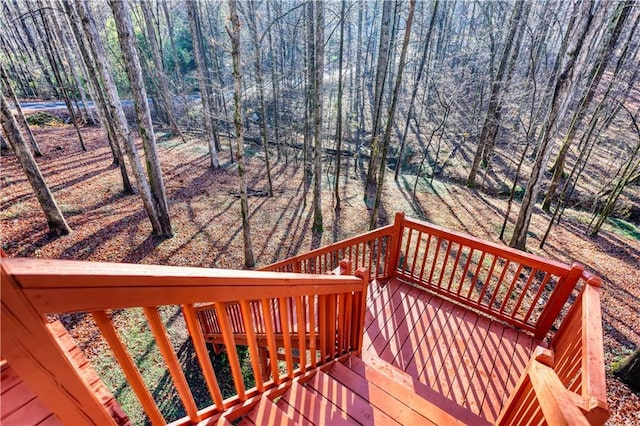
x,y
464,357
19,405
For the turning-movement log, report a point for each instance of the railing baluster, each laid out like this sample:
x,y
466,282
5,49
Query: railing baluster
x,y
342,297
302,332
455,267
476,274
286,336
312,330
505,268
271,340
252,344
507,296
203,355
534,302
524,292
348,318
322,326
466,269
331,319
232,353
424,258
415,255
435,260
487,281
166,349
134,378
444,265
406,250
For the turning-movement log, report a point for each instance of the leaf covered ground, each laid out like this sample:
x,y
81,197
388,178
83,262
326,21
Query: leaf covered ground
x,y
111,227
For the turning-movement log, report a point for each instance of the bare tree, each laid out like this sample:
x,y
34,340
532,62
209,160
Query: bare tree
x,y
57,224
234,34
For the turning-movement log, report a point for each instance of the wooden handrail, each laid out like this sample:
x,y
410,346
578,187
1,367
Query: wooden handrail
x,y
32,288
578,345
522,289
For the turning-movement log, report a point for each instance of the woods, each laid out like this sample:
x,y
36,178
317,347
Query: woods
x,y
246,125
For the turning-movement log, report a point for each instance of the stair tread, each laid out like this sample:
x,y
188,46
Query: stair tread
x,y
413,393
267,413
315,407
357,407
383,398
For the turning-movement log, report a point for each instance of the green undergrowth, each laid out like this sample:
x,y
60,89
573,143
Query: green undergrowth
x,y
624,228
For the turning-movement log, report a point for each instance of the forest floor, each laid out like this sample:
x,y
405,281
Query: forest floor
x,y
205,212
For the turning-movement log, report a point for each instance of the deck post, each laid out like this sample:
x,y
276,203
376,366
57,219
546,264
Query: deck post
x,y
37,357
363,274
557,300
396,239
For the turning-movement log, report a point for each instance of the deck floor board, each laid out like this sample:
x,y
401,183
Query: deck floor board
x,y
463,356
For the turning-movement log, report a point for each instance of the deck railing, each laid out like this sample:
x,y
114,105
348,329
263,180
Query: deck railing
x,y
371,250
521,289
566,383
32,288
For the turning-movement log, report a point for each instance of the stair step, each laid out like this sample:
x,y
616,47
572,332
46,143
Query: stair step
x,y
348,401
388,398
267,413
315,408
412,393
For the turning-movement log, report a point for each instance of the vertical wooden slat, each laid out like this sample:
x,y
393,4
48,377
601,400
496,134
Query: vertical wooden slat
x,y
444,264
364,275
534,302
476,274
302,333
312,330
424,259
203,355
322,327
170,358
378,257
487,281
396,241
348,316
271,340
286,336
466,269
331,322
505,268
507,295
524,292
455,266
134,378
342,323
415,255
435,260
252,344
232,353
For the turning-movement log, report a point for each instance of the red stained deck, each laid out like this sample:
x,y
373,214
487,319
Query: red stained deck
x,y
464,358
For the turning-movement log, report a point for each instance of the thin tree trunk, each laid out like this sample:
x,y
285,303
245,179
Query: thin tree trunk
x,y
234,34
23,122
57,224
339,112
117,113
202,81
390,118
158,71
145,127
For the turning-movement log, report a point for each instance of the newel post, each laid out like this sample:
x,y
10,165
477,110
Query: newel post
x,y
396,239
363,274
556,301
36,355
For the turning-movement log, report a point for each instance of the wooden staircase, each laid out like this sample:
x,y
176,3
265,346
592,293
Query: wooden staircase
x,y
354,391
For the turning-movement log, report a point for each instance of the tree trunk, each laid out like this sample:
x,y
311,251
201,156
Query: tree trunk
x,y
629,371
492,118
390,117
117,113
317,115
339,107
234,34
145,129
158,72
257,51
558,103
595,75
12,95
202,81
57,224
